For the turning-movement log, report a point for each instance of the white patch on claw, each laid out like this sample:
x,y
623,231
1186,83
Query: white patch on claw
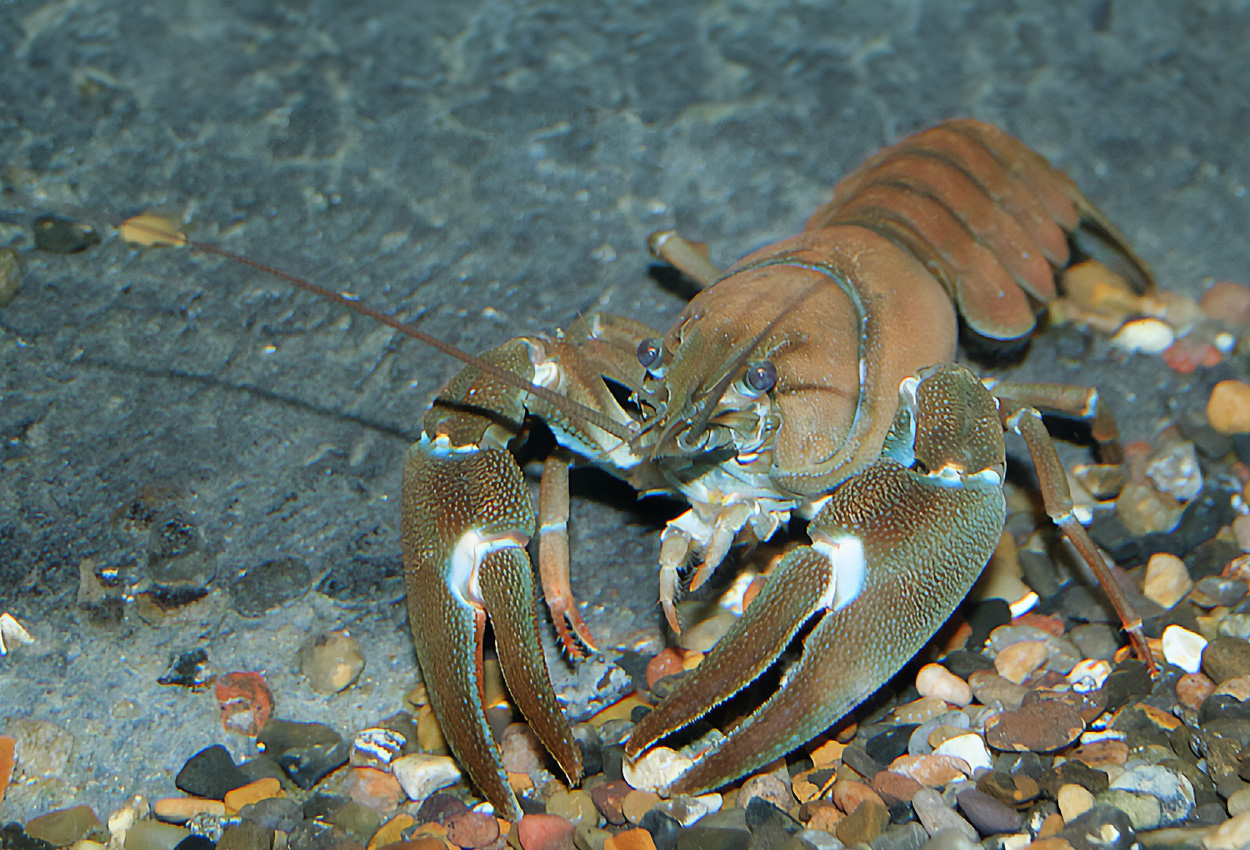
x,y
440,446
471,550
850,569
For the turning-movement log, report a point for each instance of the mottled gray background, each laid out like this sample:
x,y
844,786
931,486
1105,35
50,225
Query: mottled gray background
x,y
487,168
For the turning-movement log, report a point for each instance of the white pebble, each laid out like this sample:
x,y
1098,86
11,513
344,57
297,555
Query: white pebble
x,y
1167,580
1149,336
1074,801
971,748
934,680
420,774
1183,648
656,769
1089,675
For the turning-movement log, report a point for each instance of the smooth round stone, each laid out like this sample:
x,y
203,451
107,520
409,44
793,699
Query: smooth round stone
x,y
934,680
656,769
989,816
1183,648
472,830
1233,834
992,689
152,835
575,806
210,773
544,832
1144,812
1228,407
936,816
1017,661
63,827
420,775
1239,802
1226,658
1213,591
331,662
1167,580
766,786
246,835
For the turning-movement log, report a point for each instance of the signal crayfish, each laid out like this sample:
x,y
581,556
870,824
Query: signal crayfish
x,y
814,379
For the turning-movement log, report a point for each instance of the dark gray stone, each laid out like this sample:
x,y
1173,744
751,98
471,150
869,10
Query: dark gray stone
x,y
306,751
210,773
988,815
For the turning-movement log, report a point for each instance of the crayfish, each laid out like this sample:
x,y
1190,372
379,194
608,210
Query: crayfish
x,y
814,379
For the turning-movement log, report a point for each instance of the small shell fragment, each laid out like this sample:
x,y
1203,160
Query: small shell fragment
x,y
148,230
12,631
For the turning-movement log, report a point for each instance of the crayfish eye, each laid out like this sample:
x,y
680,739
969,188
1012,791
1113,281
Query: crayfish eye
x,y
649,351
761,377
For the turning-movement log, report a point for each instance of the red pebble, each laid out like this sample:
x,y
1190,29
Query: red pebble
x,y
1186,355
245,701
1045,622
472,830
545,832
667,663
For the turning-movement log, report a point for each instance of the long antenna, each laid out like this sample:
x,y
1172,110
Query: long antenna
x,y
154,233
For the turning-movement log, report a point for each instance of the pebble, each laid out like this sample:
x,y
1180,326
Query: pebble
x,y
714,838
1239,801
375,789
934,680
210,773
575,806
1174,792
863,825
609,799
1036,728
1016,662
1213,591
630,839
1228,409
918,711
686,811
769,787
153,835
440,808
8,758
931,770
282,813
638,803
471,830
1238,687
421,774
969,748
936,816
41,749
848,794
656,769
1144,812
1226,658
245,835
1167,580
331,662
521,749
1089,674
306,751
667,662
1192,689
183,809
993,690
252,792
989,816
245,702
895,786
1233,834
63,827
1074,800
544,832
1183,648
1148,336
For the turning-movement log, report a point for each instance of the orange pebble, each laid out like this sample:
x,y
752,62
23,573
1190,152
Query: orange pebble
x,y
631,839
667,663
